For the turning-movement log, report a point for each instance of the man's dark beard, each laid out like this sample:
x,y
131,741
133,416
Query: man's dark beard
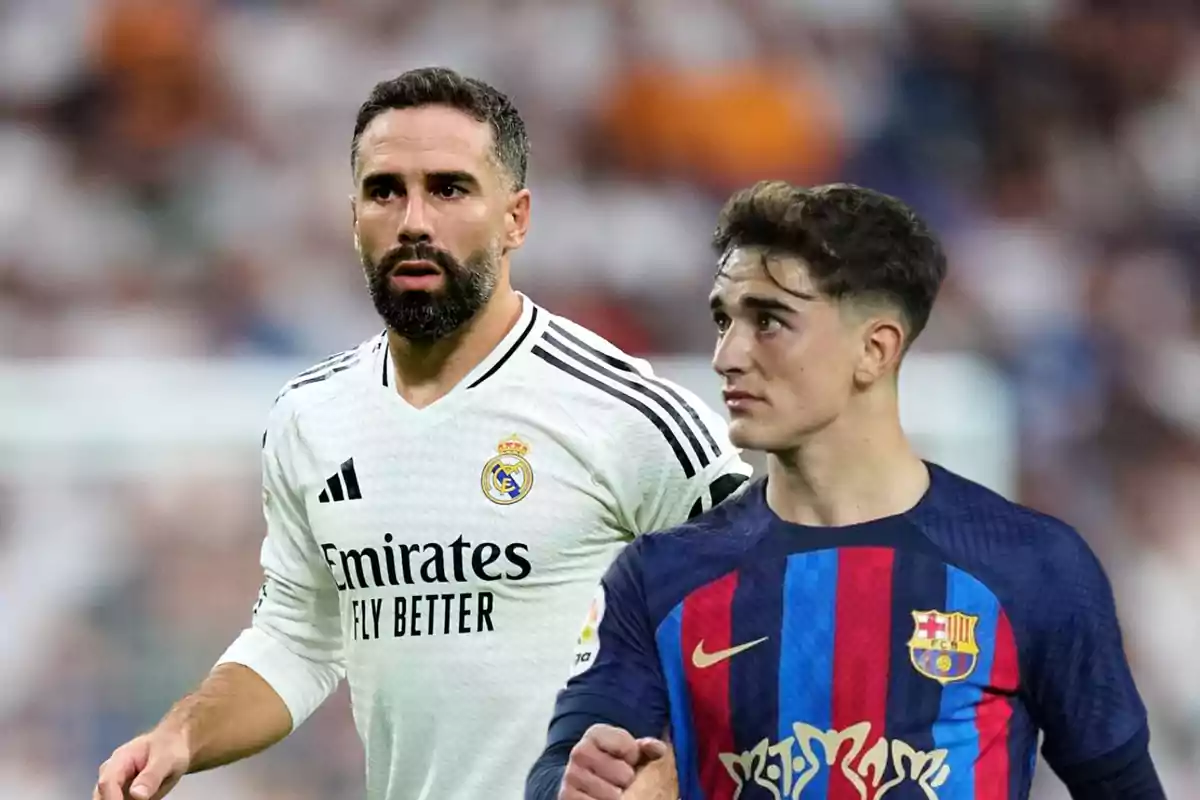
x,y
426,317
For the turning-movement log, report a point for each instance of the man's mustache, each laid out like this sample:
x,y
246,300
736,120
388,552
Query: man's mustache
x,y
417,252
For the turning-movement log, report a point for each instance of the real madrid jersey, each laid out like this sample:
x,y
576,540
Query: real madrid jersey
x,y
441,558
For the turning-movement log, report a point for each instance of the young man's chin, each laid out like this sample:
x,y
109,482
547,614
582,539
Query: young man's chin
x,y
747,434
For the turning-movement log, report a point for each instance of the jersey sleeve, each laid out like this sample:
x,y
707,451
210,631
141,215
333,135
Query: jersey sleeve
x,y
682,469
1082,690
616,677
294,640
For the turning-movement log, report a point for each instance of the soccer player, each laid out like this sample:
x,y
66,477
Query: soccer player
x,y
442,499
860,623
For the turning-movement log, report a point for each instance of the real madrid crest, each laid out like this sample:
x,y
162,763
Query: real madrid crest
x,y
507,476
943,645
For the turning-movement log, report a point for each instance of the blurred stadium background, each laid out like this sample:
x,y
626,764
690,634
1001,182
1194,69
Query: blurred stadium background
x,y
174,243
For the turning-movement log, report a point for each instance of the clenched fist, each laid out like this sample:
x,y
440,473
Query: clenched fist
x,y
144,769
605,762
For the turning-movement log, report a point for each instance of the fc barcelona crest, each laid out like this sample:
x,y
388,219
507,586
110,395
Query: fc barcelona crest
x,y
943,645
507,477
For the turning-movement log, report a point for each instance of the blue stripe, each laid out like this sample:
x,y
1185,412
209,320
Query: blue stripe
x,y
670,649
806,651
955,727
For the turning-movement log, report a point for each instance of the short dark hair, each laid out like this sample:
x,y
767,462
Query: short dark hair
x,y
430,86
857,243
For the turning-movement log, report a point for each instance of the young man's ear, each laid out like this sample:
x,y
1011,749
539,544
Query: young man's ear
x,y
883,341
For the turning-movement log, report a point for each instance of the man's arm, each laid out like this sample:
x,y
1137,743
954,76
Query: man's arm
x,y
1126,774
232,715
1082,689
609,715
272,677
294,642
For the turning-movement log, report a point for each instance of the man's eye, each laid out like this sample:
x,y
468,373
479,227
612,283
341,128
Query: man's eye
x,y
721,321
768,324
449,191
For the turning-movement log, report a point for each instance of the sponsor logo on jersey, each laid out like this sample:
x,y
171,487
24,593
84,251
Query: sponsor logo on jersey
x,y
507,476
587,646
443,570
943,645
786,767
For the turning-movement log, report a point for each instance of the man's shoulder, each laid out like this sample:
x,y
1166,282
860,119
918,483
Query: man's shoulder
x,y
331,373
564,333
591,378
324,380
675,562
1020,549
974,510
580,362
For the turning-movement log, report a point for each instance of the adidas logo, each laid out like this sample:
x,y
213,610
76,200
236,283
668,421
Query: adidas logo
x,y
333,492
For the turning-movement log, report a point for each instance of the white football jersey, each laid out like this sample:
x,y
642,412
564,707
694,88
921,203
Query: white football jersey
x,y
442,559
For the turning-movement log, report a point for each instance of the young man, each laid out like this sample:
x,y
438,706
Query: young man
x,y
861,623
441,499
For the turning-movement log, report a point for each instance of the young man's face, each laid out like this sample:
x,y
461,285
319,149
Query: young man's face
x,y
786,354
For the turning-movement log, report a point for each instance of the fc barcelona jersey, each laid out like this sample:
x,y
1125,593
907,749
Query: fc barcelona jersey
x,y
916,656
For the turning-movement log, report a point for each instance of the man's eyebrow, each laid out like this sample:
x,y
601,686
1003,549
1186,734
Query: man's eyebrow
x,y
757,303
439,176
452,176
372,179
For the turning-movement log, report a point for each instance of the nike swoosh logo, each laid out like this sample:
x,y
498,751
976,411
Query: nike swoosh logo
x,y
703,660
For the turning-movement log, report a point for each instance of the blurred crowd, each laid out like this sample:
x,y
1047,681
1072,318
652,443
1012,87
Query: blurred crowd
x,y
174,180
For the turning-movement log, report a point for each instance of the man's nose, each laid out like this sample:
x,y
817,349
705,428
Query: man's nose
x,y
415,226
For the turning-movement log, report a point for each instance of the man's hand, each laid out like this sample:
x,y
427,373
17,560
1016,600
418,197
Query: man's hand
x,y
144,769
605,762
656,781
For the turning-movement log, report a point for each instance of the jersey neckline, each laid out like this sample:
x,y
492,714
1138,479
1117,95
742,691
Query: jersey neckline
x,y
866,529
517,339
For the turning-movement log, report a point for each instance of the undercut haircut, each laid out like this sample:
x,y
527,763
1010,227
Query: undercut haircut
x,y
858,244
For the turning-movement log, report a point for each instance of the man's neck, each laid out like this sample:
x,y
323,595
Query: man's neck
x,y
853,471
426,373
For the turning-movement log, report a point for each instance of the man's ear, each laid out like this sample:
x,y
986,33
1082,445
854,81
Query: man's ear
x,y
354,224
883,343
516,219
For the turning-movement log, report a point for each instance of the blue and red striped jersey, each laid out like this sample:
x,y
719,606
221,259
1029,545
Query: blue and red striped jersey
x,y
917,656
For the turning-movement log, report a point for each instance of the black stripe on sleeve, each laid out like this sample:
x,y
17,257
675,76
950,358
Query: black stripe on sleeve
x,y
688,469
641,388
318,378
625,366
724,486
718,491
332,361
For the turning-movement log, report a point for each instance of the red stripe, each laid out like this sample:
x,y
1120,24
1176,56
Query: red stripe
x,y
861,648
707,619
993,715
